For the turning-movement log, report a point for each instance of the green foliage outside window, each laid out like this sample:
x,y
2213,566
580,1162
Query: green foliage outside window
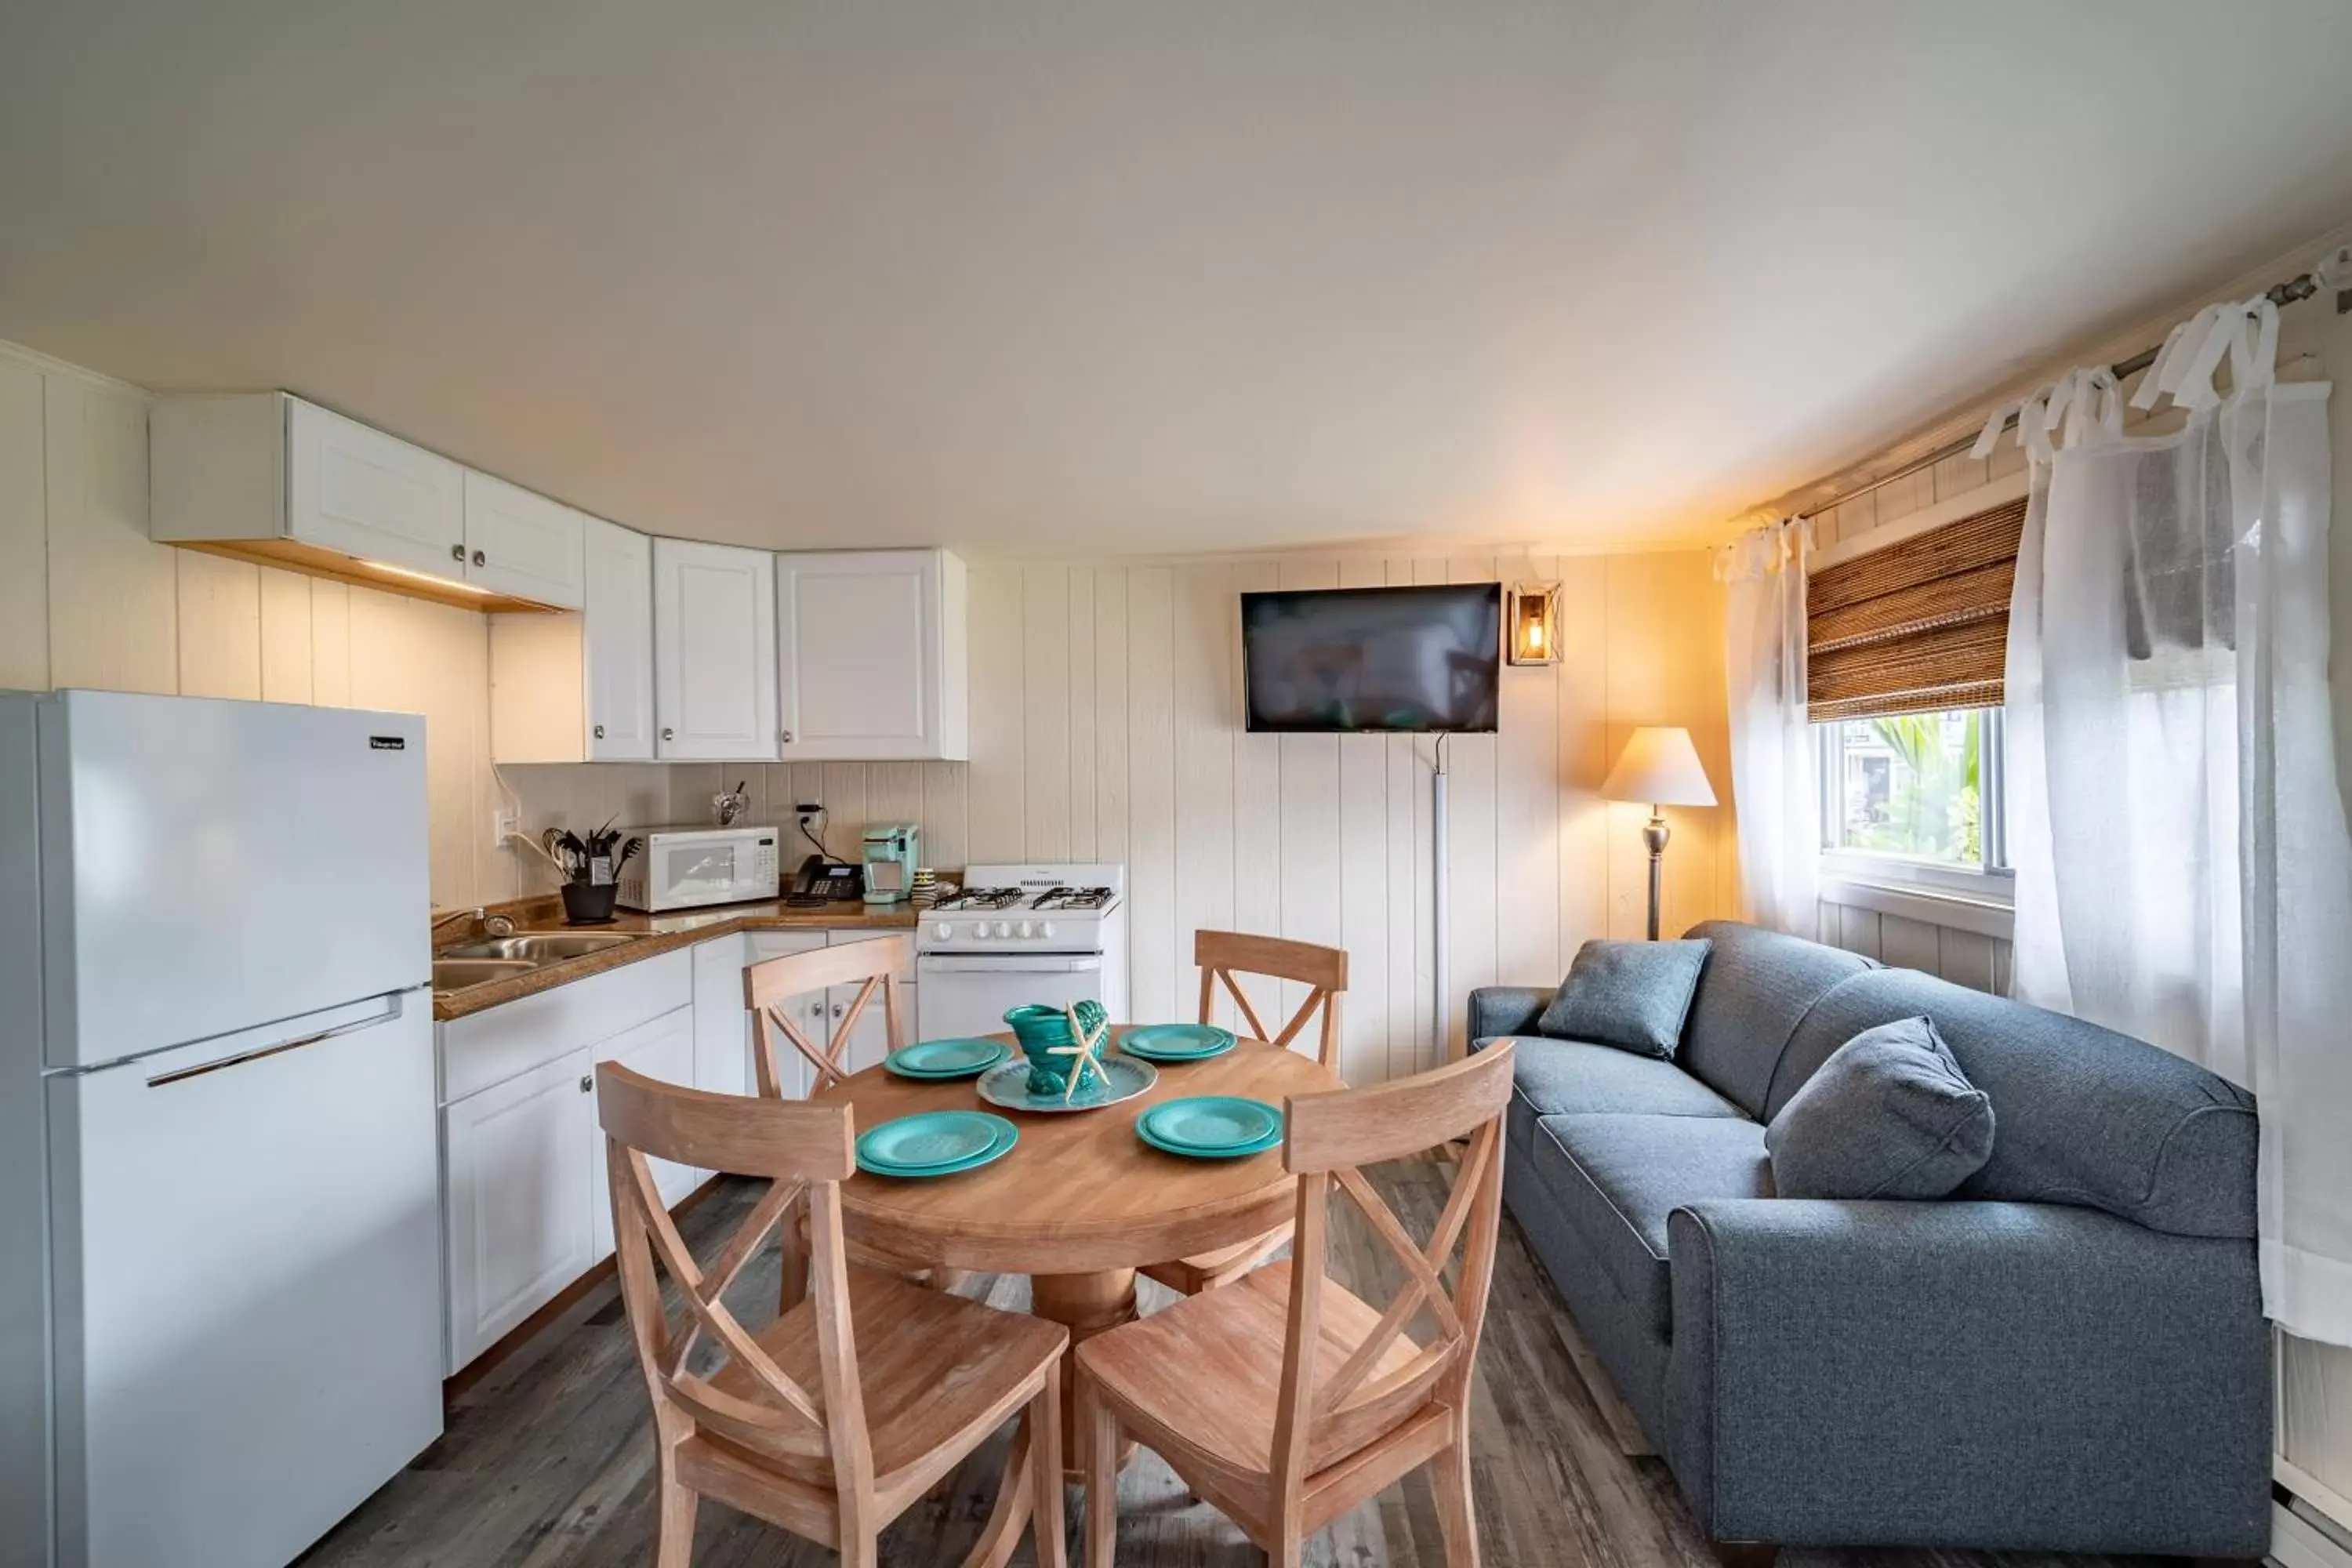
x,y
1911,785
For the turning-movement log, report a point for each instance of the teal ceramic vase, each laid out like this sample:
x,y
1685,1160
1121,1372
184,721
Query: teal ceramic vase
x,y
1040,1029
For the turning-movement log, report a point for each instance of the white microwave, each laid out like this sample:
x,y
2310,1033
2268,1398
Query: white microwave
x,y
687,868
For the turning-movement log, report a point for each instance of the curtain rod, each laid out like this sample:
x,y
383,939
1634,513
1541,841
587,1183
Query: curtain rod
x,y
2302,286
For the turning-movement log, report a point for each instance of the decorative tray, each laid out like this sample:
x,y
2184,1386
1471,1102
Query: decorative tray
x,y
1123,1078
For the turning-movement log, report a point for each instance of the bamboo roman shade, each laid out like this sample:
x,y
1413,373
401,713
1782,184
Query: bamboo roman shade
x,y
1918,626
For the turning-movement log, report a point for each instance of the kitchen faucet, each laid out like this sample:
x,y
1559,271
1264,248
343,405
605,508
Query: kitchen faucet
x,y
492,925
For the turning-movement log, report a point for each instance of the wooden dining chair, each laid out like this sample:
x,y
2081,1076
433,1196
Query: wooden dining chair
x,y
833,1418
1285,1399
771,984
1223,957
770,987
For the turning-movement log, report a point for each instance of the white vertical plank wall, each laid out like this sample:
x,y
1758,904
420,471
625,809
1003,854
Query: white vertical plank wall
x,y
87,599
1108,721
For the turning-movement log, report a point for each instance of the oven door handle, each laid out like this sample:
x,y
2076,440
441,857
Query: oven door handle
x,y
1009,963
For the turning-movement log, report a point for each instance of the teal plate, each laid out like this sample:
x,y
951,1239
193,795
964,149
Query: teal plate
x,y
935,1143
1212,1125
947,1058
1177,1042
1122,1078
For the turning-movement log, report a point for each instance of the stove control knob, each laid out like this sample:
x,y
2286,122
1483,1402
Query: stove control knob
x,y
943,931
1003,929
1046,929
1023,930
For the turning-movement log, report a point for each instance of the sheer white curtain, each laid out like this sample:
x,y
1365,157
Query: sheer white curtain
x,y
2183,872
1771,744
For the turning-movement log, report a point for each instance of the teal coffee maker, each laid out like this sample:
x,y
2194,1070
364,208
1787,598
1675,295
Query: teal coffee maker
x,y
890,855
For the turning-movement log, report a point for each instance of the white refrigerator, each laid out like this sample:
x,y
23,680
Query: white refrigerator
x,y
219,1256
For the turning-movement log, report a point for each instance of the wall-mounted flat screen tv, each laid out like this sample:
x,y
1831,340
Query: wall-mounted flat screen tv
x,y
1416,660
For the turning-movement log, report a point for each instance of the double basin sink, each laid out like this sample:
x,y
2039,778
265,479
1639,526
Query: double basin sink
x,y
480,963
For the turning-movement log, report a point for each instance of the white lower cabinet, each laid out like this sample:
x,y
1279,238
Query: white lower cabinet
x,y
518,1203
723,1061
524,1207
662,1049
526,1202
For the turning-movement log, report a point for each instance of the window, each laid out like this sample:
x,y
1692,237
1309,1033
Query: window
x,y
1914,791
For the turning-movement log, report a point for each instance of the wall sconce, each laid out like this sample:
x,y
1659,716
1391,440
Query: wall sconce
x,y
1532,623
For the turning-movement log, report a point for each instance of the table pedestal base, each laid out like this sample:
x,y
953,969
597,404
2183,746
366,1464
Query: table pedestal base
x,y
1087,1305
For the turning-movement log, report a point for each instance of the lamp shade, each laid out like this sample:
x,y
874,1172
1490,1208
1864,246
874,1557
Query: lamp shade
x,y
1659,766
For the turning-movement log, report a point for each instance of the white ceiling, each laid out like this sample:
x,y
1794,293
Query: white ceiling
x,y
1027,277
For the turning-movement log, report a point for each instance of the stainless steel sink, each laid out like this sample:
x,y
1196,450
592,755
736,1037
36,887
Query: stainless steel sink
x,y
458,973
541,949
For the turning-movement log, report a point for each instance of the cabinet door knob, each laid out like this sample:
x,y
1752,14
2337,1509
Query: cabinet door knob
x,y
458,553
838,1009
670,734
587,1083
599,732
480,559
787,735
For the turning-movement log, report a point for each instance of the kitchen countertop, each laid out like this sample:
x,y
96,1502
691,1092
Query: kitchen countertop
x,y
654,934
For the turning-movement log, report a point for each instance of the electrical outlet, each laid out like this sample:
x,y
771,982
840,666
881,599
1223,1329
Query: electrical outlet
x,y
503,821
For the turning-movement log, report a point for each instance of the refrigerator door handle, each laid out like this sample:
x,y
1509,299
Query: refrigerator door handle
x,y
351,1026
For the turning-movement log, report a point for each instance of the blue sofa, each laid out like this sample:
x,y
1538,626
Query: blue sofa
x,y
2069,1353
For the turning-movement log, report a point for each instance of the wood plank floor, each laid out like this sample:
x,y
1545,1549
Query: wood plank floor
x,y
547,1461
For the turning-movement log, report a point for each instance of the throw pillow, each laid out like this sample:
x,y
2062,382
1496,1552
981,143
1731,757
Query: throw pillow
x,y
1889,1115
1631,994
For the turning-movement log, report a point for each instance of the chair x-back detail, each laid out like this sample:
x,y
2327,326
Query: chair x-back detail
x,y
768,985
800,1423
1287,1399
1224,956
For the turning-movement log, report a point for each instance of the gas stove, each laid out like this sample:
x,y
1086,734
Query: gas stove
x,y
1019,935
973,901
1026,908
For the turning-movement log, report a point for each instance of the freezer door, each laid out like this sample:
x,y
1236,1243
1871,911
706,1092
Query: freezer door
x,y
212,866
246,1287
970,993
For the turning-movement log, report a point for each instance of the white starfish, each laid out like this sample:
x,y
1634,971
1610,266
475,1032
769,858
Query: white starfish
x,y
1085,1050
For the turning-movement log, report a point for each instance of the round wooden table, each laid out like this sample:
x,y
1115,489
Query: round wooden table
x,y
1081,1203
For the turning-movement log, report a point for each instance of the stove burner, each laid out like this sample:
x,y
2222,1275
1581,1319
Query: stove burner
x,y
981,899
1073,899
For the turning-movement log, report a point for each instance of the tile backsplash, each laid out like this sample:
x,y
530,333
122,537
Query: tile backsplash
x,y
638,795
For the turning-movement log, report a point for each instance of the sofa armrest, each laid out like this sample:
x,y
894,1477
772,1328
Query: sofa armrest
x,y
1505,1010
1992,1375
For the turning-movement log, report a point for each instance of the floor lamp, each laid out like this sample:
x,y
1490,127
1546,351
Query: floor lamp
x,y
1659,767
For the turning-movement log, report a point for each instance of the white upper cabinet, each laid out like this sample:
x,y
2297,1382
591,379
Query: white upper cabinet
x,y
300,485
617,643
580,689
372,495
269,477
871,664
714,652
522,544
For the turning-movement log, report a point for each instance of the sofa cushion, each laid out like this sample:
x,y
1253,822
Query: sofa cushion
x,y
1558,1076
1757,986
1631,994
1617,1177
2086,1116
1890,1115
